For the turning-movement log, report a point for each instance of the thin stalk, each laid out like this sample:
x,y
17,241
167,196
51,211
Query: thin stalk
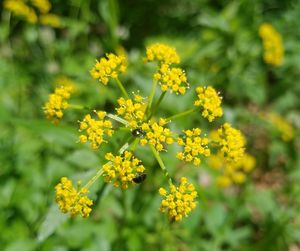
x,y
134,144
181,114
161,164
117,118
77,107
121,86
92,180
151,95
161,97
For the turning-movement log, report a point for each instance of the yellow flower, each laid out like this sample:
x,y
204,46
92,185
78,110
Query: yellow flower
x,y
122,169
51,20
109,67
162,53
19,8
64,81
73,201
132,110
231,142
194,146
95,130
57,103
43,6
173,79
180,201
272,43
283,126
209,101
156,134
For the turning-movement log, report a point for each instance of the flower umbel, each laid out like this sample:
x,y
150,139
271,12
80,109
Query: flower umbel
x,y
231,142
162,53
73,201
95,130
173,79
57,103
180,201
43,6
209,101
109,67
19,8
51,20
122,169
194,146
156,134
282,125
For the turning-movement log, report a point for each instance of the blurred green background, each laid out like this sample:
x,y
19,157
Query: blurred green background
x,y
219,45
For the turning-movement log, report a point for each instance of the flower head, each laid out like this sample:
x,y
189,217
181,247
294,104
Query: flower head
x,y
19,8
209,101
57,103
132,110
73,201
231,142
162,53
173,79
95,130
156,134
51,20
272,43
180,201
64,81
194,146
282,125
122,169
43,6
109,67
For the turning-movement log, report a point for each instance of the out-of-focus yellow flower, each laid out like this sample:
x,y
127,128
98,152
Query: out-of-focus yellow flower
x,y
122,169
73,201
194,146
109,67
272,43
173,79
132,110
230,141
163,53
283,126
209,101
95,130
64,81
180,201
43,6
233,172
51,20
19,8
57,103
156,134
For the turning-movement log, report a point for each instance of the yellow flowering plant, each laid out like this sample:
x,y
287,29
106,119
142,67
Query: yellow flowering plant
x,y
136,115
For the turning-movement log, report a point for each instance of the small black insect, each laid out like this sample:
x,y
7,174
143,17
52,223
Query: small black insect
x,y
138,133
139,178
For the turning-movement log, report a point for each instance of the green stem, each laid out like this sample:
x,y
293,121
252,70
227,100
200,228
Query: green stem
x,y
161,97
134,144
121,86
77,107
151,95
161,163
117,118
181,114
92,180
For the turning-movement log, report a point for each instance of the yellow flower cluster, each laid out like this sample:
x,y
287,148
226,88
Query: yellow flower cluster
x,y
51,20
19,8
132,110
231,142
109,67
95,130
122,169
43,6
233,172
72,201
57,103
173,79
156,134
180,201
194,146
64,81
209,101
283,126
272,43
162,53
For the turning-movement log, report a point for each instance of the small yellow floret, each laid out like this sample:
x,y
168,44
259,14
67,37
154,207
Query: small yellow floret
x,y
162,53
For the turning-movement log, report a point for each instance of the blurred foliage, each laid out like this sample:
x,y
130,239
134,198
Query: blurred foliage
x,y
219,44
